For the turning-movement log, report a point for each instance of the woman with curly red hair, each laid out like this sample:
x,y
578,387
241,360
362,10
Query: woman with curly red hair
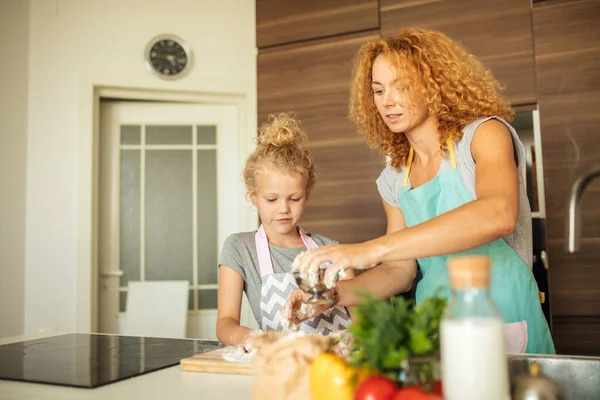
x,y
453,184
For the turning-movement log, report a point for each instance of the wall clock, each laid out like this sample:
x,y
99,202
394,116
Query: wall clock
x,y
168,56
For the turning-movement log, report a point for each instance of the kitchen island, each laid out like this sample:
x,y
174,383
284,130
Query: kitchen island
x,y
168,383
578,377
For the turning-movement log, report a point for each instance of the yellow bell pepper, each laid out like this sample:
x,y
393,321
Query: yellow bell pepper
x,y
331,378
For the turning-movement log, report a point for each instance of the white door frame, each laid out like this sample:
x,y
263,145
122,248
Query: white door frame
x,y
86,315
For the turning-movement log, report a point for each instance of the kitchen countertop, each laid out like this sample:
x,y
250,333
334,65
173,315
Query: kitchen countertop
x,y
171,383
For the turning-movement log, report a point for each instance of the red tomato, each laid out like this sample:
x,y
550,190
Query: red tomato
x,y
434,387
428,391
411,393
376,388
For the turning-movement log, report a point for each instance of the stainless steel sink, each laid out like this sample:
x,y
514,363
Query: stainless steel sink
x,y
578,377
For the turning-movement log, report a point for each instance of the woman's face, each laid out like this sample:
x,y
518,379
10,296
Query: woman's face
x,y
393,92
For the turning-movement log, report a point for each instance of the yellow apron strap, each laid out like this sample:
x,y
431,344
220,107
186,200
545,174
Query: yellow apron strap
x,y
450,145
408,165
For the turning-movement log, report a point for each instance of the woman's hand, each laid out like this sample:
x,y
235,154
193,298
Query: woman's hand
x,y
339,258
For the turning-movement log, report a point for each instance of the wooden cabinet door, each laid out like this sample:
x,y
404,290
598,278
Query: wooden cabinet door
x,y
313,81
497,31
287,21
567,46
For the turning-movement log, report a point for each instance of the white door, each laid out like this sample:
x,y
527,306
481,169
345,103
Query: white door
x,y
170,193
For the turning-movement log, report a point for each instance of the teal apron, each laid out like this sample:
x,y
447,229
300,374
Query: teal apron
x,y
513,287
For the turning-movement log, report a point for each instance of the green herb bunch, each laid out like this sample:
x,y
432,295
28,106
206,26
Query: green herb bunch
x,y
387,332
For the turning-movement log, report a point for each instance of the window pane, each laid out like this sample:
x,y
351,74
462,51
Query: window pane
x,y
207,134
168,215
207,217
165,134
130,134
191,300
129,235
207,299
122,301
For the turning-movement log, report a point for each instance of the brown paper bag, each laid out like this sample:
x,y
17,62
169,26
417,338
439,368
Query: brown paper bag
x,y
282,365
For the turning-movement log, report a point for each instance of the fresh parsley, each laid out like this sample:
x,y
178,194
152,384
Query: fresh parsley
x,y
387,332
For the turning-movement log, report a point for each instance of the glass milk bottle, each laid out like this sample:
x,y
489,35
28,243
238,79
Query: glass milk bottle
x,y
473,360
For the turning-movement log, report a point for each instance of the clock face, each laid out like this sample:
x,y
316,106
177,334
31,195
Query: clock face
x,y
168,56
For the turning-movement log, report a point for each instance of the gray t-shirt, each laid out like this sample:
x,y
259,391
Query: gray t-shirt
x,y
239,254
390,181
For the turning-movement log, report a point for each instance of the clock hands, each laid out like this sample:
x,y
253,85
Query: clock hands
x,y
170,58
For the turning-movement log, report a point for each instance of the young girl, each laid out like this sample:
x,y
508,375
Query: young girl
x,y
279,177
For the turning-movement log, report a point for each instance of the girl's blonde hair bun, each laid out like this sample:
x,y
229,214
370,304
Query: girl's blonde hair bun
x,y
280,144
281,130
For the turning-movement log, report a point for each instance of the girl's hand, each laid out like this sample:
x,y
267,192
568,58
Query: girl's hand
x,y
294,311
247,345
338,258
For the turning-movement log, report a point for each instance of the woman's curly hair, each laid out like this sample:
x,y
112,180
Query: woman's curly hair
x,y
280,145
457,87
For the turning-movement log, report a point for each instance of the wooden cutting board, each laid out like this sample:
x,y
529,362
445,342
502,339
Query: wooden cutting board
x,y
213,362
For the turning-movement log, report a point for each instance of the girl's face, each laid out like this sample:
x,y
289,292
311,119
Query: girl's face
x,y
280,199
392,96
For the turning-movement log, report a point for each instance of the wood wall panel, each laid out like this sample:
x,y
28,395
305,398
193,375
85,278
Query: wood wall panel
x,y
312,80
577,336
565,25
286,21
575,280
497,31
567,44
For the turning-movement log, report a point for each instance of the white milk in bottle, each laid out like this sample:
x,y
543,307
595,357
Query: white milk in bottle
x,y
474,363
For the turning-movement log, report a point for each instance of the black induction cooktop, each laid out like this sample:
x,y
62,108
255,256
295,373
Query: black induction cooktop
x,y
92,360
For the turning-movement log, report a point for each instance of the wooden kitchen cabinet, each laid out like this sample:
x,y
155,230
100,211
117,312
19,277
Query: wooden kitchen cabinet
x,y
567,46
286,21
312,80
577,335
497,31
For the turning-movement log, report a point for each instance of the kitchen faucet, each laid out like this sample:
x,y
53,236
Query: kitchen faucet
x,y
574,220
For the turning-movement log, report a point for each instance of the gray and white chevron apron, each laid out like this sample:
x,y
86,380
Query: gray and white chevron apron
x,y
276,288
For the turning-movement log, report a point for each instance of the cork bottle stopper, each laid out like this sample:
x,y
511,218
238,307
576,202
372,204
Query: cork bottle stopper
x,y
467,272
